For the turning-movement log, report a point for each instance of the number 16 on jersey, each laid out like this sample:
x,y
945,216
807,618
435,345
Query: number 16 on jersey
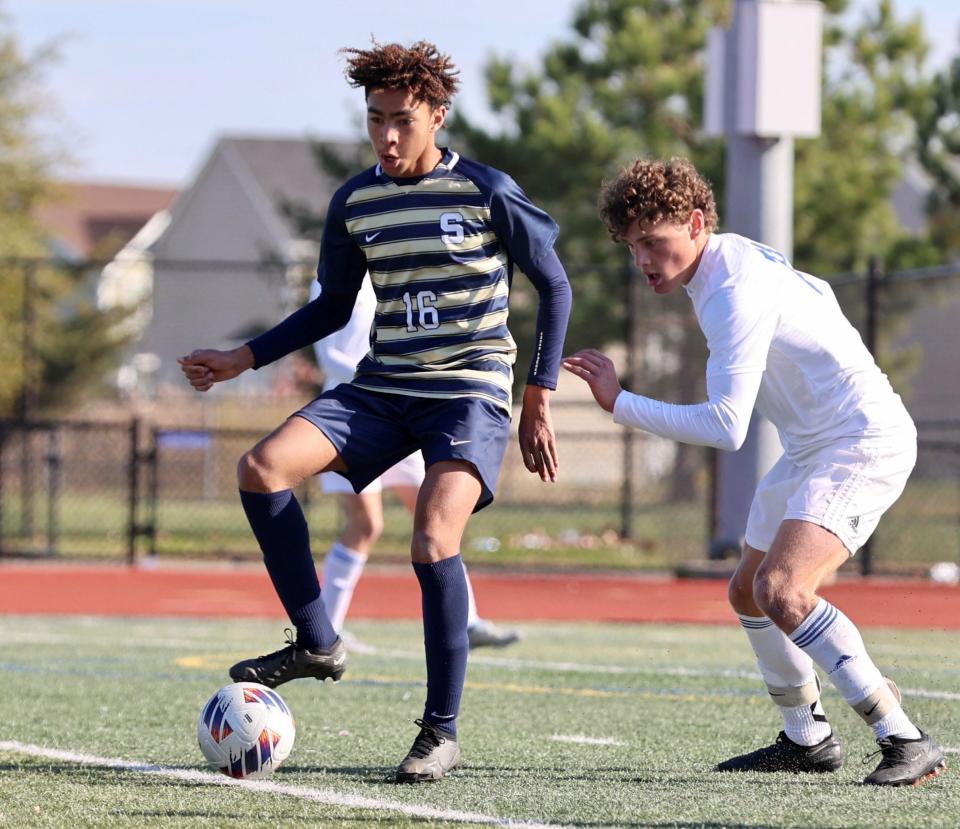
x,y
423,306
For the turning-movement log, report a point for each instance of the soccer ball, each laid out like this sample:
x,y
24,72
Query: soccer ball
x,y
246,730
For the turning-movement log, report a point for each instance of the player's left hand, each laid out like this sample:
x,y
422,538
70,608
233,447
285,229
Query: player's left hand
x,y
598,371
538,444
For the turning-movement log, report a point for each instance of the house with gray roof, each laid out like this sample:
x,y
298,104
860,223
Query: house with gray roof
x,y
234,257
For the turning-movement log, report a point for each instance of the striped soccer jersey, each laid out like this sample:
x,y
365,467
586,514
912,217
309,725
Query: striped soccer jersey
x,y
440,251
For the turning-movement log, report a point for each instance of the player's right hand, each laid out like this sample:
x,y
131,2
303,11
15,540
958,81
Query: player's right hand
x,y
597,370
207,366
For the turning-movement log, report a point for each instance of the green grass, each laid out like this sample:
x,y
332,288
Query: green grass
x,y
676,698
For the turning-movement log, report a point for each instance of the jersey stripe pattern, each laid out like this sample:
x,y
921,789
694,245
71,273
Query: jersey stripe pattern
x,y
441,271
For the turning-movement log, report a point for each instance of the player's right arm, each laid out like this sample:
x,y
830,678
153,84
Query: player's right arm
x,y
738,328
340,273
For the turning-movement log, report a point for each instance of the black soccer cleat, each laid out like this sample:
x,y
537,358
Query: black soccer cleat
x,y
906,762
433,754
293,662
786,755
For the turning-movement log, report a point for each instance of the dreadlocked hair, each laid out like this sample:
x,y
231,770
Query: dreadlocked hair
x,y
653,192
429,75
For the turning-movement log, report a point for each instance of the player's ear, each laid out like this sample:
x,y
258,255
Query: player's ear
x,y
439,118
697,222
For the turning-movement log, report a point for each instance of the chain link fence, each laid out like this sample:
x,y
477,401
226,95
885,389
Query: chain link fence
x,y
136,489
163,488
133,491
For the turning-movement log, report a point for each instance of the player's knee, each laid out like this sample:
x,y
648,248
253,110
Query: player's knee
x,y
773,594
366,526
252,472
740,592
425,546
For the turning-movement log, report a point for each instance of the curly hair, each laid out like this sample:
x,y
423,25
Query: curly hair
x,y
653,192
429,75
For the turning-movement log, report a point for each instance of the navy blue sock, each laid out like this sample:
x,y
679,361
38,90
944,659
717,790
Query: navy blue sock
x,y
281,530
443,586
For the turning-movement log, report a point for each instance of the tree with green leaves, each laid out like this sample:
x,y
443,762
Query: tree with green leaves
x,y
629,82
56,345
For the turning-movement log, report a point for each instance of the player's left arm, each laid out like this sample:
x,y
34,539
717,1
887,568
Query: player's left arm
x,y
529,233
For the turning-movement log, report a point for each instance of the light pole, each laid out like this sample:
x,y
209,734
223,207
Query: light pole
x,y
763,90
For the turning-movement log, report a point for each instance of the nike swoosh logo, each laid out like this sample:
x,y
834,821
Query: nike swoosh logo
x,y
871,709
371,236
458,442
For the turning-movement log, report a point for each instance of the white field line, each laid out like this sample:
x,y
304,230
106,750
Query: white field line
x,y
587,741
515,664
28,638
618,670
325,796
668,670
923,693
951,751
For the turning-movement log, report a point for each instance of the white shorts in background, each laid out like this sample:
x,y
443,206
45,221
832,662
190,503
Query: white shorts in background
x,y
408,472
844,488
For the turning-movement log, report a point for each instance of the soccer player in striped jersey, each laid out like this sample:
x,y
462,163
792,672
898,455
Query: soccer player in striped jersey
x,y
441,237
779,342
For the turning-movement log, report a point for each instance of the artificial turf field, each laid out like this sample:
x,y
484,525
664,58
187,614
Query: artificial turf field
x,y
577,725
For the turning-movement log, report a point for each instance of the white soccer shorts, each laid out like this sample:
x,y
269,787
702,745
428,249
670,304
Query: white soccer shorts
x,y
844,488
408,472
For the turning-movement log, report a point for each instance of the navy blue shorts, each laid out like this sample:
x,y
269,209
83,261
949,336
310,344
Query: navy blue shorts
x,y
373,430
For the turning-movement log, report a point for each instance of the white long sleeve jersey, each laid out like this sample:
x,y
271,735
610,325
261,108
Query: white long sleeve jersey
x,y
779,342
339,353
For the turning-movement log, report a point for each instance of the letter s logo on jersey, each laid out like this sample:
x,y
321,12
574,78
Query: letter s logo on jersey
x,y
452,226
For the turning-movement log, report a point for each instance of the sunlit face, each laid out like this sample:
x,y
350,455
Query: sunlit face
x,y
668,254
403,132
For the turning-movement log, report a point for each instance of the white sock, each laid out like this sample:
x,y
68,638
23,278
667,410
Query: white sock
x,y
834,643
784,666
472,616
341,571
896,723
806,724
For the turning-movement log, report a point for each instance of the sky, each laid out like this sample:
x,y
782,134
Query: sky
x,y
142,90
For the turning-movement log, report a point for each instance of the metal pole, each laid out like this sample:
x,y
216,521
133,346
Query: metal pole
x,y
53,488
759,204
133,472
27,403
627,435
153,457
3,443
872,302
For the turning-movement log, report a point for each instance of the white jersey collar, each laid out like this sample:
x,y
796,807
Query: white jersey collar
x,y
699,278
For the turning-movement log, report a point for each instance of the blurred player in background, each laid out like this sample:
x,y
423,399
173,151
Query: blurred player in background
x,y
779,342
440,236
338,356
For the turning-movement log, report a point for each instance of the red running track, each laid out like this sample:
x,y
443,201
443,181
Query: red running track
x,y
393,593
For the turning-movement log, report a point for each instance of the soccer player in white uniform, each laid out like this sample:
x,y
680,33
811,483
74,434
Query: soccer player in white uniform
x,y
338,356
778,342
